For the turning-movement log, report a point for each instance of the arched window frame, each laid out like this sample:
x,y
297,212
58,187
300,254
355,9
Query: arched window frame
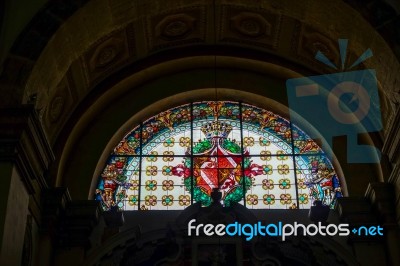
x,y
135,145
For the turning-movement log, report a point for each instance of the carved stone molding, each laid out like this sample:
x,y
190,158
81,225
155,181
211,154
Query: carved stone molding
x,y
153,26
54,202
395,180
176,27
108,54
355,211
358,212
69,223
391,146
307,41
59,108
78,222
56,108
251,25
382,198
255,27
23,142
114,219
27,250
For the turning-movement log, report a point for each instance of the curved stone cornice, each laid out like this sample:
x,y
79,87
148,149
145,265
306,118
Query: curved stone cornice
x,y
103,37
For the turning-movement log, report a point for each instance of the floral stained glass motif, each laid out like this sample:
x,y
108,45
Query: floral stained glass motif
x,y
251,155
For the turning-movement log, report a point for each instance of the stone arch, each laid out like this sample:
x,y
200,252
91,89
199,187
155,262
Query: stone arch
x,y
106,44
109,112
129,38
125,33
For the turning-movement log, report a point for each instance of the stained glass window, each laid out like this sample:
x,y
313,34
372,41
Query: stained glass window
x,y
251,155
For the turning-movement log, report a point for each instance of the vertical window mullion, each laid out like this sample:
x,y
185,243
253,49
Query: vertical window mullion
x,y
140,163
191,155
294,164
242,152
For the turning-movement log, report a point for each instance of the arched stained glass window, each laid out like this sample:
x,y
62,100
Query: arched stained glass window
x,y
251,155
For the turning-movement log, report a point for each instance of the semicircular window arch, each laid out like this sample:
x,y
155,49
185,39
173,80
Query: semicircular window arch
x,y
253,156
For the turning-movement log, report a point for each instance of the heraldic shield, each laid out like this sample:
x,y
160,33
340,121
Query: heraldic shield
x,y
218,164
